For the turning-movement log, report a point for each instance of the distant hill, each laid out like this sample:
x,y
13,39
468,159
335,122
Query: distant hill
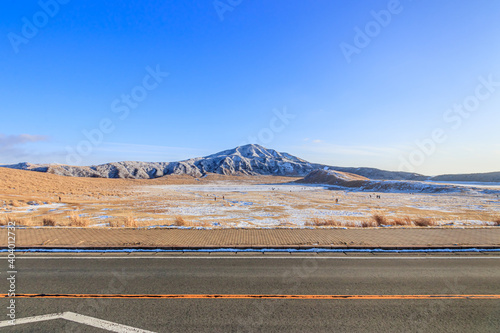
x,y
358,183
333,177
490,177
249,159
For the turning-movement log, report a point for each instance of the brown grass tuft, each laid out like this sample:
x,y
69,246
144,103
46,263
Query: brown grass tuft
x,y
182,222
114,224
424,222
130,222
78,221
497,222
48,222
27,222
368,224
5,219
404,221
317,222
380,219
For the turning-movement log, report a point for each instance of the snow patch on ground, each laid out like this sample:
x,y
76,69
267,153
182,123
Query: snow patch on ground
x,y
33,208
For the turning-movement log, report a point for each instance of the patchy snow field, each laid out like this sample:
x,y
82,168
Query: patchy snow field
x,y
293,205
249,203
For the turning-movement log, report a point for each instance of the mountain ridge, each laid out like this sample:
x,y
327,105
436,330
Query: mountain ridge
x,y
251,159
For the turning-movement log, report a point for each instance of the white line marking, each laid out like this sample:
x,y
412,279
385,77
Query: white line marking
x,y
77,318
6,323
99,323
259,257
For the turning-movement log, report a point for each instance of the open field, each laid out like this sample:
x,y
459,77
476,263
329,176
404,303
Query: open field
x,y
217,201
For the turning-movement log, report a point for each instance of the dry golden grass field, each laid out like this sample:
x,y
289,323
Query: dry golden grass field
x,y
217,201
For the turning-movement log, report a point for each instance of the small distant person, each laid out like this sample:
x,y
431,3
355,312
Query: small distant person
x,y
223,198
337,200
60,199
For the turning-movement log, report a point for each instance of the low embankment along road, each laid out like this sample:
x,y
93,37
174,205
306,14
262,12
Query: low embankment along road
x,y
283,238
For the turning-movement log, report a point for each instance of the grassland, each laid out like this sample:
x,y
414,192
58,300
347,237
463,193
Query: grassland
x,y
217,201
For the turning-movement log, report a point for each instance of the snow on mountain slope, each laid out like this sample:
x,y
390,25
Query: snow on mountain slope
x,y
252,160
249,159
245,160
332,177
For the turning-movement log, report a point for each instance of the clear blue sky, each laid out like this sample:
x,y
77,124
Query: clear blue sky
x,y
233,65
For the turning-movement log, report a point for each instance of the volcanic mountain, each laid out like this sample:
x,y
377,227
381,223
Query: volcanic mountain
x,y
249,159
245,160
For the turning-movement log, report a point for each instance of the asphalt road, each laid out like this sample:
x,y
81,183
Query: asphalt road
x,y
258,274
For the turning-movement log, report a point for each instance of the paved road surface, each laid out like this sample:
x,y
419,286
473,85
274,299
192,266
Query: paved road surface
x,y
258,274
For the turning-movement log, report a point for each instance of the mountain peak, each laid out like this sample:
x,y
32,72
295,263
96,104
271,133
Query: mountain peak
x,y
254,150
252,145
249,159
248,150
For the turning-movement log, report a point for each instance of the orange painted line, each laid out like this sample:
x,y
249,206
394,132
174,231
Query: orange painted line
x,y
244,296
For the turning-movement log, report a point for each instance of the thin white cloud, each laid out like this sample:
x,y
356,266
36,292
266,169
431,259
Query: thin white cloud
x,y
9,141
13,149
313,140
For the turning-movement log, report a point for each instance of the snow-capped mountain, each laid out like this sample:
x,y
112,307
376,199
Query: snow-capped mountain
x,y
245,160
250,159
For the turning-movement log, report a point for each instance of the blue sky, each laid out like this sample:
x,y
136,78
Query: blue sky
x,y
348,83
